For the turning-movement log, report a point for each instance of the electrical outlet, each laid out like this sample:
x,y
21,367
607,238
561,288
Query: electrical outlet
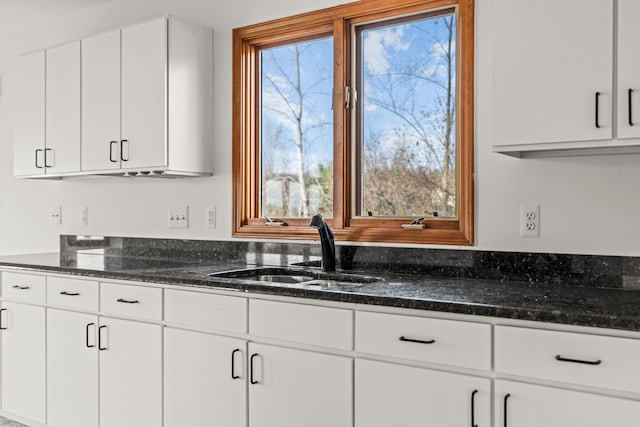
x,y
529,220
84,216
55,215
178,217
211,217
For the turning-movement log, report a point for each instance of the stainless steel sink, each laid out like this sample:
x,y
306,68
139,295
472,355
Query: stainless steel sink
x,y
305,277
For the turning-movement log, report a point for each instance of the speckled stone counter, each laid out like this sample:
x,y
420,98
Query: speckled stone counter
x,y
403,286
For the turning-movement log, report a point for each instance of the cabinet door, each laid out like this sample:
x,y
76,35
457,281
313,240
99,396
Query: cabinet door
x,y
23,360
29,107
130,373
204,380
628,69
144,89
293,388
101,102
550,58
394,395
62,152
72,369
538,406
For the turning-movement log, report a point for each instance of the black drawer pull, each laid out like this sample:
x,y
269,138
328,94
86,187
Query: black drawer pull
x,y
2,327
598,110
70,294
233,364
506,397
251,380
122,150
111,159
403,338
21,287
473,408
86,335
128,301
584,362
41,150
100,347
630,100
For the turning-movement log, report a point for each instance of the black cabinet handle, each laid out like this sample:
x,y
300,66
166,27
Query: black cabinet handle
x,y
233,364
128,301
629,94
403,338
251,380
598,110
473,408
111,159
21,287
86,336
39,167
70,294
584,362
122,150
46,164
506,397
100,347
2,327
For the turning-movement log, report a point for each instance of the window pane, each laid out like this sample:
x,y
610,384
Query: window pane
x,y
297,129
406,117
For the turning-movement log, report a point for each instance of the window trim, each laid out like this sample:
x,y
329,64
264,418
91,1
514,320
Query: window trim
x,y
339,21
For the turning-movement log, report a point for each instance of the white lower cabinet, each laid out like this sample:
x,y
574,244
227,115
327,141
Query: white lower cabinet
x,y
23,360
388,394
293,388
130,373
526,405
204,380
72,369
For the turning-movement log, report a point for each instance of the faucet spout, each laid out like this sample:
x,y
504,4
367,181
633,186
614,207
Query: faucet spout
x,y
326,243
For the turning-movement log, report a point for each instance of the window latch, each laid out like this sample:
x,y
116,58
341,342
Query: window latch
x,y
347,97
270,222
415,224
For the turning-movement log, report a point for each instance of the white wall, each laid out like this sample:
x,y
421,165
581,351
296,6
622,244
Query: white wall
x,y
588,204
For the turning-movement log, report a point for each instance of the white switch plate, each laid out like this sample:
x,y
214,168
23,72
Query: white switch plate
x,y
84,216
530,220
55,215
178,217
211,217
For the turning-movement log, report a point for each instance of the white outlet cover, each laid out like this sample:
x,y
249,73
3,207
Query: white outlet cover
x,y
55,215
530,220
211,217
84,216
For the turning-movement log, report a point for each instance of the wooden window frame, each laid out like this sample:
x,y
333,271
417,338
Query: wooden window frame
x,y
338,21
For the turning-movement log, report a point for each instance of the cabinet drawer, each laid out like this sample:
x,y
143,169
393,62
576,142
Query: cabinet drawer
x,y
204,310
448,342
72,293
308,324
133,301
594,360
24,287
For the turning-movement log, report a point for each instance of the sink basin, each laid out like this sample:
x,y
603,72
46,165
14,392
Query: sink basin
x,y
296,276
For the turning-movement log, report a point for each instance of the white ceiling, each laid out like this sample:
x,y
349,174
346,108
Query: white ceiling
x,y
14,13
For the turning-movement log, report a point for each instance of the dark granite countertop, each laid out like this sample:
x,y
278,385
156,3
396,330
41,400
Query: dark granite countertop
x,y
556,303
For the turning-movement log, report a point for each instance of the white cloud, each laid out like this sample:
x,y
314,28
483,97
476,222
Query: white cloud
x,y
377,44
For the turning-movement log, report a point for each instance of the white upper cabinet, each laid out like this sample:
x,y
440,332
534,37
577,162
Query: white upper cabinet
x,y
552,71
62,146
101,102
628,69
144,84
29,102
147,104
